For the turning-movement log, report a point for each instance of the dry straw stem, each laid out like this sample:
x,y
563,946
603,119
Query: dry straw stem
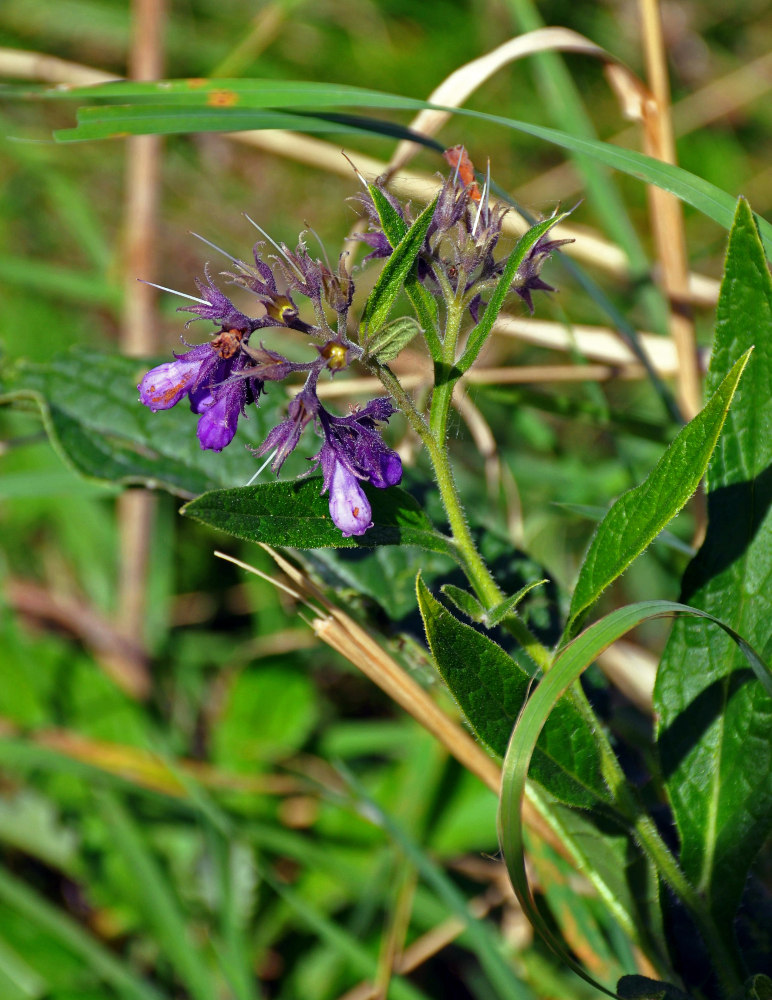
x,y
653,111
136,508
439,937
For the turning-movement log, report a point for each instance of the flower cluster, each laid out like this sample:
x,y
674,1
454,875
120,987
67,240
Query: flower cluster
x,y
458,251
222,377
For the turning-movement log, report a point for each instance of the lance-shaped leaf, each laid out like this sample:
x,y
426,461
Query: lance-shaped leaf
x,y
392,278
91,411
386,343
638,516
491,688
715,719
296,514
394,229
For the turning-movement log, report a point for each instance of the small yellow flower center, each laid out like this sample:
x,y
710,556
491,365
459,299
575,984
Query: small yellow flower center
x,y
335,355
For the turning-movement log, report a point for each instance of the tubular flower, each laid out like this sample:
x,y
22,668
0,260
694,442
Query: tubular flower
x,y
353,450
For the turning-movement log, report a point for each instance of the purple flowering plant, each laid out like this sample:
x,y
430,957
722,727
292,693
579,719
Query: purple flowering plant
x,y
445,258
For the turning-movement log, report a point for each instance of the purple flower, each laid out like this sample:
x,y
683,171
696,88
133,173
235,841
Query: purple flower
x,y
353,450
349,507
210,375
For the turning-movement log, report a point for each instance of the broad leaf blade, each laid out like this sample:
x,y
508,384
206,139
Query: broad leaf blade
x,y
91,410
714,718
395,271
638,516
297,515
491,688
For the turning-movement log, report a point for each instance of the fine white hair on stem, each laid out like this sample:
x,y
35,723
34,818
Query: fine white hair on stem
x,y
273,243
266,462
163,288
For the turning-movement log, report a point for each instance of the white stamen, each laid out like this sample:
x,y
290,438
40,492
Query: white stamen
x,y
353,166
163,288
266,462
235,260
483,196
273,242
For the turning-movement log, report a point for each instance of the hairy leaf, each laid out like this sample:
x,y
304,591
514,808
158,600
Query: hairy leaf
x,y
395,271
491,688
715,718
296,514
638,516
91,410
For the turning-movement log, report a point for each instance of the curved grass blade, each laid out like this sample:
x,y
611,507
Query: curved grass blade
x,y
570,663
695,191
639,515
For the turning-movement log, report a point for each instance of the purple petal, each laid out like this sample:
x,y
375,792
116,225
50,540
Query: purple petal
x,y
164,386
349,507
220,416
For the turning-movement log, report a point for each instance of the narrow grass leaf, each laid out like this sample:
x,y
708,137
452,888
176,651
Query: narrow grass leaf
x,y
270,94
156,899
714,720
639,515
38,912
480,934
568,666
491,689
481,332
296,514
392,277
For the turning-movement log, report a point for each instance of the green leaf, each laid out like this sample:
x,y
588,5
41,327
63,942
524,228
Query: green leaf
x,y
465,602
758,987
568,666
639,515
274,95
714,719
386,343
37,912
480,333
395,271
491,688
91,411
297,515
499,612
394,228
